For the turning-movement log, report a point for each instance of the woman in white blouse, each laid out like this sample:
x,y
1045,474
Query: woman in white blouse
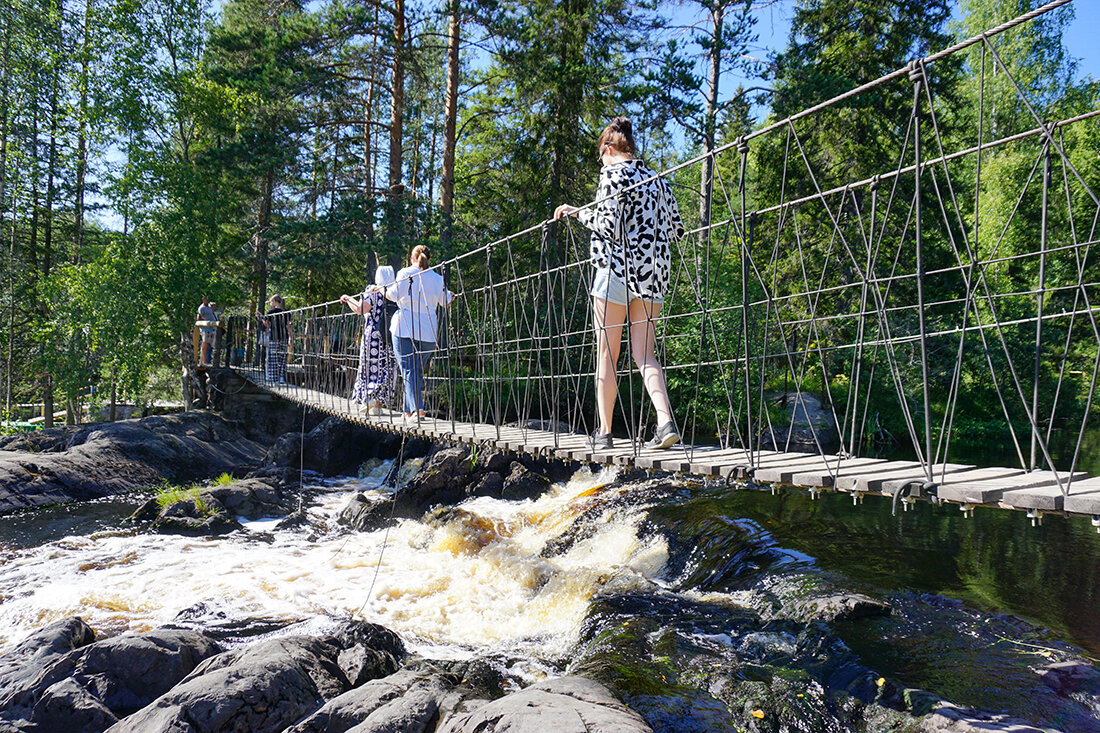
x,y
418,292
633,228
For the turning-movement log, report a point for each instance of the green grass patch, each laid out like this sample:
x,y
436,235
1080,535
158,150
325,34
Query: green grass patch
x,y
169,495
223,480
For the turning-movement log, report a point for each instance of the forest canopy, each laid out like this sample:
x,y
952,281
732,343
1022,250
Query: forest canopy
x,y
154,153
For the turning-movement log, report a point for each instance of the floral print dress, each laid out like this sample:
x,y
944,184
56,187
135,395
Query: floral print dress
x,y
374,382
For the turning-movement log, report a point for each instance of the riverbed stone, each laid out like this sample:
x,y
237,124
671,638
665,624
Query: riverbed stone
x,y
23,663
810,424
563,705
253,498
88,462
90,687
948,718
68,706
839,607
523,483
408,701
264,687
334,446
1072,676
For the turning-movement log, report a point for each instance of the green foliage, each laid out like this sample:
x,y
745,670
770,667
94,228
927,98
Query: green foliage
x,y
169,495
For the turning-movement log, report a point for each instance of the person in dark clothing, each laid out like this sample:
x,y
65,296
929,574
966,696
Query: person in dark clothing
x,y
278,324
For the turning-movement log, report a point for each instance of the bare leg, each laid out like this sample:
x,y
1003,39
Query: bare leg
x,y
643,342
608,319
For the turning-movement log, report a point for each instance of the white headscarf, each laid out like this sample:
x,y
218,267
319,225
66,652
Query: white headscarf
x,y
383,276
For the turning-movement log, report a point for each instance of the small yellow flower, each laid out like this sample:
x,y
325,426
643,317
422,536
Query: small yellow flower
x,y
880,681
758,713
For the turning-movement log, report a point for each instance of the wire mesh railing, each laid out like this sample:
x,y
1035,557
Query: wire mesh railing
x,y
940,296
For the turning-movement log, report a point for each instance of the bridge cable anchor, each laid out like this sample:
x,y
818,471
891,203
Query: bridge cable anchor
x,y
1036,517
1096,521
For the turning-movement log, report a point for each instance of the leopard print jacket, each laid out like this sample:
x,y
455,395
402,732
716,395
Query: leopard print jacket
x,y
632,232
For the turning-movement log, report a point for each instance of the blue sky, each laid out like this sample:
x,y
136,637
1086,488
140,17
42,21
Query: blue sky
x,y
1080,39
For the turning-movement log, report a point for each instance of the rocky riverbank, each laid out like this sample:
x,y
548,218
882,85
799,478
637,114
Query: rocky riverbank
x,y
727,633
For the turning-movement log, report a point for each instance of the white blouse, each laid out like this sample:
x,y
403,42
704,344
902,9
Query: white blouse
x,y
417,293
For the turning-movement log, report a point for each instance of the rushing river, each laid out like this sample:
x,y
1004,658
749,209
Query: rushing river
x,y
979,604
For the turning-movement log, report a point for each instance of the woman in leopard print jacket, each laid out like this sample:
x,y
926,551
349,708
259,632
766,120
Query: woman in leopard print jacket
x,y
634,224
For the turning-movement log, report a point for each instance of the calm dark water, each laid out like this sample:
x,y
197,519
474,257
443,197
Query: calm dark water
x,y
994,560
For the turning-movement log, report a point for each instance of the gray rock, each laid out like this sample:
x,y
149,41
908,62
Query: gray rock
x,y
253,498
268,686
22,664
947,718
261,688
76,464
839,607
809,424
368,651
562,705
66,706
1071,676
333,447
364,515
491,483
408,701
523,483
90,687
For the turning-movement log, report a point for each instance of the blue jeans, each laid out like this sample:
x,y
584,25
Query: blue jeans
x,y
413,357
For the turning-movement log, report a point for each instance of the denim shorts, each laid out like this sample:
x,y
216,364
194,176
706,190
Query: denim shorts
x,y
610,287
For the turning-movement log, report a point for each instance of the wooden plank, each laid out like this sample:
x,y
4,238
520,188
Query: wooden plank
x,y
889,483
734,462
674,458
916,490
1084,497
970,488
887,478
711,463
824,476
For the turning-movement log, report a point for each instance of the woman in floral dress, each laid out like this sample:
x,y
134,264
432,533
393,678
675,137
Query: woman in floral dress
x,y
374,381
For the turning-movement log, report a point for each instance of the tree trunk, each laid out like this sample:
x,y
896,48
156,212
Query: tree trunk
x,y
263,223
11,314
47,242
368,163
8,12
447,185
82,139
714,57
397,112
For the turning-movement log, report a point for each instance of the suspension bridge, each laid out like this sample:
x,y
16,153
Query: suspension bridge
x,y
939,310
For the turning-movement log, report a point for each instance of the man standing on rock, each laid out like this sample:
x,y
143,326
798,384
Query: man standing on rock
x,y
206,313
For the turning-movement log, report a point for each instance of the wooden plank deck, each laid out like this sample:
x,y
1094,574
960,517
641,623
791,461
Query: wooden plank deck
x,y
1036,492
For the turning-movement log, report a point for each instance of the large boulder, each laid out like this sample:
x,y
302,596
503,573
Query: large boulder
x,y
215,510
452,474
562,705
409,701
265,687
810,425
22,664
91,687
89,462
334,446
